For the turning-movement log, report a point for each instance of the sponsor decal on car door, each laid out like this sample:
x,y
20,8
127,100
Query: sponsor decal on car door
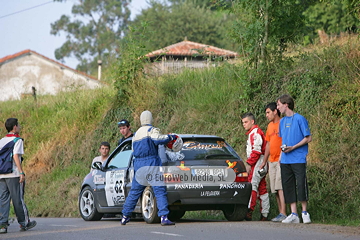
x,y
114,187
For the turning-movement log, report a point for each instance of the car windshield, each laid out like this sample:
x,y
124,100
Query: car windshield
x,y
203,148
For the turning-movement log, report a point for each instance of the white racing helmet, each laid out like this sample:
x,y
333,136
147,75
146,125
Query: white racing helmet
x,y
175,145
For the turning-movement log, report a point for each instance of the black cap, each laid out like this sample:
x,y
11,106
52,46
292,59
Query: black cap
x,y
123,122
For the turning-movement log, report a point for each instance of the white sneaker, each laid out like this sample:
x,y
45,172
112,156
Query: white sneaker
x,y
279,218
292,218
306,217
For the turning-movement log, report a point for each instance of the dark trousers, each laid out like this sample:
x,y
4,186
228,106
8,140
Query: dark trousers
x,y
294,182
11,189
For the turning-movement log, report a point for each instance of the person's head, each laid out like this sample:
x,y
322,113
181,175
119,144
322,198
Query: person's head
x,y
271,111
12,125
124,128
104,149
146,118
285,102
248,121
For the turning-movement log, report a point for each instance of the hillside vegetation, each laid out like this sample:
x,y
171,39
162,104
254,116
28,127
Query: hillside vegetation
x,y
62,133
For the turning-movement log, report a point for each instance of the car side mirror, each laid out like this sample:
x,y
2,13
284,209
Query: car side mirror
x,y
97,165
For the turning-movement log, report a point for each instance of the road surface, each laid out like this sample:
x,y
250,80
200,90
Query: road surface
x,y
77,228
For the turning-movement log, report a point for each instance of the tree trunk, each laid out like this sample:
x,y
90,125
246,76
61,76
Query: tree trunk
x,y
266,32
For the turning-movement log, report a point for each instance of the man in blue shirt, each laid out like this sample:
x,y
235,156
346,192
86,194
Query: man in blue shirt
x,y
295,133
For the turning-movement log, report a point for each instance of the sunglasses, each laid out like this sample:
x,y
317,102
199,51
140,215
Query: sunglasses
x,y
122,122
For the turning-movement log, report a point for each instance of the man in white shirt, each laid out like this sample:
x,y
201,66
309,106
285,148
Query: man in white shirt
x,y
104,153
12,184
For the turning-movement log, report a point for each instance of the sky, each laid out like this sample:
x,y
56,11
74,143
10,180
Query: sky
x,y
25,24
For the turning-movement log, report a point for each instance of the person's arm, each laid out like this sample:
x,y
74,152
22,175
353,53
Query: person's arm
x,y
256,149
266,155
304,141
159,138
18,165
17,153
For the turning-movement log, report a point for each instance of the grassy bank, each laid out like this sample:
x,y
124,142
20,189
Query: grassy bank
x,y
62,132
59,133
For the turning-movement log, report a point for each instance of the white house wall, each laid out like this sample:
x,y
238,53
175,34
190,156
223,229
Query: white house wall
x,y
19,75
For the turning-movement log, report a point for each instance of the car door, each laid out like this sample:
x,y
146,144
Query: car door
x,y
116,175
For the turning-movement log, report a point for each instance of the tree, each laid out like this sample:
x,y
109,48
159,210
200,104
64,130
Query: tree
x,y
333,17
171,23
264,27
211,4
94,37
128,69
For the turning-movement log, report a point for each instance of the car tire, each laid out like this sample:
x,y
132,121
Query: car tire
x,y
87,205
235,212
175,215
149,208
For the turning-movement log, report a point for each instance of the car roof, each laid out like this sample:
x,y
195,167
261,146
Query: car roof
x,y
185,136
197,136
189,136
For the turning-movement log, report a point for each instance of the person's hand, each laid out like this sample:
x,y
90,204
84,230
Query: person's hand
x,y
248,168
262,165
22,178
173,137
288,149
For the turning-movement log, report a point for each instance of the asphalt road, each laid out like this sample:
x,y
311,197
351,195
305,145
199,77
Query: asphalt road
x,y
76,228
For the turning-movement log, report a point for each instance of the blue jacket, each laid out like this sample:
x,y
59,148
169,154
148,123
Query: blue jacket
x,y
146,141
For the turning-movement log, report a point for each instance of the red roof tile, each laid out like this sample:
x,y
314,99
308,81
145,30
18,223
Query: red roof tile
x,y
188,48
28,52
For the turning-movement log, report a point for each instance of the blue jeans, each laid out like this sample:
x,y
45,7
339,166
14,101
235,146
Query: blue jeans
x,y
137,189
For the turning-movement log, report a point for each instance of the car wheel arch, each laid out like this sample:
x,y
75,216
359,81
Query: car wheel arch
x,y
87,205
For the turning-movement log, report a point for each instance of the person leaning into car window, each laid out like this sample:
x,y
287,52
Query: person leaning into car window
x,y
104,153
145,150
125,130
295,133
255,150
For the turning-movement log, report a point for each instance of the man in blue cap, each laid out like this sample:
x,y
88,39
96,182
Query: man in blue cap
x,y
125,130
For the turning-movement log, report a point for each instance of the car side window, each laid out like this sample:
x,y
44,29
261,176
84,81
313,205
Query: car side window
x,y
122,159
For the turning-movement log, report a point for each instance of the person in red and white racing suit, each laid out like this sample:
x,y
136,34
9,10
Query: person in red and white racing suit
x,y
255,149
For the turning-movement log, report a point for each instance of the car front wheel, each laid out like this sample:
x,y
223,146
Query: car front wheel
x,y
87,205
149,208
235,212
